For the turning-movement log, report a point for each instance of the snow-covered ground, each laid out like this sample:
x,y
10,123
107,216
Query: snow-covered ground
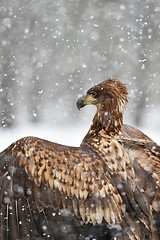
x,y
71,135
64,135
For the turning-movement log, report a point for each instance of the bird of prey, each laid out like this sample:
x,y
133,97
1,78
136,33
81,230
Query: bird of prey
x,y
113,177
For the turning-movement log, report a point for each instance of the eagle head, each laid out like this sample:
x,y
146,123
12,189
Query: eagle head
x,y
111,92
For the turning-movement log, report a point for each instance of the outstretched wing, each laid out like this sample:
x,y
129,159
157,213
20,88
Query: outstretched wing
x,y
49,174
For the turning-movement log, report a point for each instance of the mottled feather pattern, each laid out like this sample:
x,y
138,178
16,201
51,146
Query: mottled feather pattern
x,y
85,180
112,177
136,191
147,154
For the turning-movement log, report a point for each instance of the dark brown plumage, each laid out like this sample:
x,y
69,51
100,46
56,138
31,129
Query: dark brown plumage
x,y
113,176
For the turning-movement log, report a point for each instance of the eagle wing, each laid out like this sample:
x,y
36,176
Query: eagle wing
x,y
147,153
133,133
100,179
50,174
134,184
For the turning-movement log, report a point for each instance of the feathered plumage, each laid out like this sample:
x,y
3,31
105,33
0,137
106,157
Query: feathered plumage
x,y
113,175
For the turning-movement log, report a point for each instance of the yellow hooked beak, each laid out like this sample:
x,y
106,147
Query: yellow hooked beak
x,y
86,99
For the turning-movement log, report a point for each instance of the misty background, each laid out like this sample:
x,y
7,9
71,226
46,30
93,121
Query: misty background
x,y
53,51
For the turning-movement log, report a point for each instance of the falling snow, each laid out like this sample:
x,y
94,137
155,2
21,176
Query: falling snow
x,y
52,51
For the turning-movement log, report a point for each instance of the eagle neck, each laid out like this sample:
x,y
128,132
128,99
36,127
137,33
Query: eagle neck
x,y
108,119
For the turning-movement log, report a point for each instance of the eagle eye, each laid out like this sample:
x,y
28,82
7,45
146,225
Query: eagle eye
x,y
93,93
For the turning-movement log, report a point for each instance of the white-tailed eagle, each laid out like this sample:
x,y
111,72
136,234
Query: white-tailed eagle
x,y
114,175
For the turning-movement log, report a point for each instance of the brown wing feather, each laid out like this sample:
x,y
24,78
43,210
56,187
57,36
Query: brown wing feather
x,y
133,133
35,168
147,153
135,185
96,181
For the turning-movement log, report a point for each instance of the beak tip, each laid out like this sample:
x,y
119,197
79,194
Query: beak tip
x,y
78,107
80,103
